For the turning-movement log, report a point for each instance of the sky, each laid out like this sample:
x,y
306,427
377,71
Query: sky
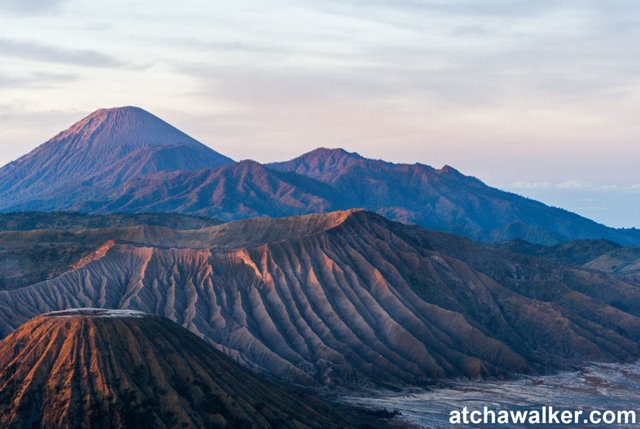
x,y
536,97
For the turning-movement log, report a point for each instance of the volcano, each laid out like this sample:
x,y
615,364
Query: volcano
x,y
91,368
98,153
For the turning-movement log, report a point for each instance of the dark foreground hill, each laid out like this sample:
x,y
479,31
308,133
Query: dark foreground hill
x,y
351,298
119,369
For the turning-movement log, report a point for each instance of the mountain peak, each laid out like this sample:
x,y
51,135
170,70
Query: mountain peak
x,y
331,152
107,147
447,169
128,110
266,230
127,127
321,162
115,114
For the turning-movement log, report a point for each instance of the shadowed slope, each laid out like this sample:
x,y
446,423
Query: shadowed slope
x,y
601,255
351,298
445,200
241,190
73,221
40,246
120,369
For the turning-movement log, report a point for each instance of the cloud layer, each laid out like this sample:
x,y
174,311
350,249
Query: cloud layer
x,y
52,54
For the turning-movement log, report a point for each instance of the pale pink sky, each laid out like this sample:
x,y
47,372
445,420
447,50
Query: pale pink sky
x,y
538,97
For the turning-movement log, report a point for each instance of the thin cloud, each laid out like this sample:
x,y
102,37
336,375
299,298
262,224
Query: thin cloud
x,y
51,54
558,51
30,7
35,80
538,55
286,85
456,8
573,185
219,47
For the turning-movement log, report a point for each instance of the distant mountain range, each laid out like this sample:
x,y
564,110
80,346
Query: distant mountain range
x,y
345,298
127,160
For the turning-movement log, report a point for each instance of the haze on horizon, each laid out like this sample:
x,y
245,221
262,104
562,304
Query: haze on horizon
x,y
540,98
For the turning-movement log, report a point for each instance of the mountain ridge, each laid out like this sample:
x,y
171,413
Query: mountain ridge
x,y
438,199
446,200
241,190
353,299
149,166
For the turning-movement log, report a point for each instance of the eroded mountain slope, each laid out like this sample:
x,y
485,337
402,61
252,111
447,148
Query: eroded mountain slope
x,y
40,246
351,298
121,369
